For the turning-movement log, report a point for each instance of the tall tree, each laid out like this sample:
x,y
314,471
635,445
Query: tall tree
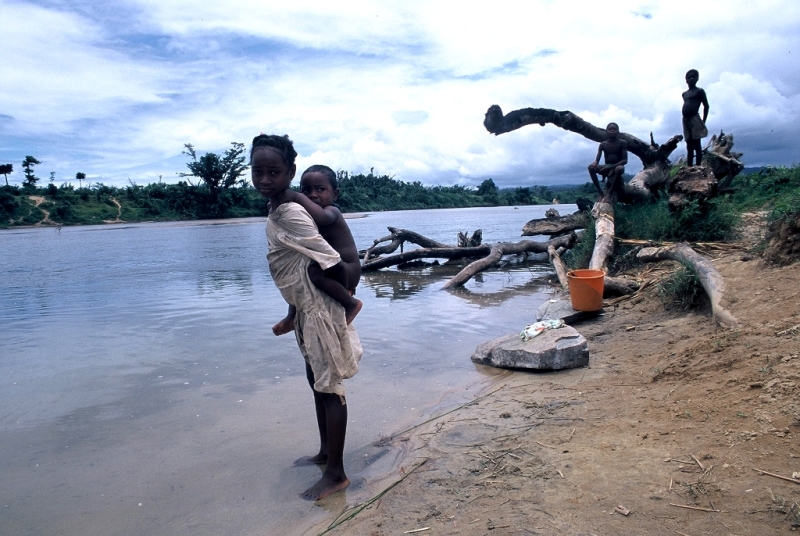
x,y
80,177
27,167
217,171
5,169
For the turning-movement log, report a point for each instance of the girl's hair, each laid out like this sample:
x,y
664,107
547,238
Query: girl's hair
x,y
325,170
282,144
692,71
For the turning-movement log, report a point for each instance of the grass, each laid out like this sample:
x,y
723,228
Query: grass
x,y
682,289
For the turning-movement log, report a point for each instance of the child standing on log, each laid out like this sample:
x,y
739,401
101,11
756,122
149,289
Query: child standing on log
x,y
330,347
615,152
694,128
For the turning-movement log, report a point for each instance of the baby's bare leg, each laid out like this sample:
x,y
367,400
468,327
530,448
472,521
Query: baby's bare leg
x,y
335,283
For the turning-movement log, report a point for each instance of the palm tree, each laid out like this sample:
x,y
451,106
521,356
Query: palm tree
x,y
5,169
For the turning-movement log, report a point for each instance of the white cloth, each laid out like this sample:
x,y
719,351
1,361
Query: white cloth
x,y
328,344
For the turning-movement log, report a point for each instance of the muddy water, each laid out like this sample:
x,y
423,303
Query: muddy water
x,y
142,391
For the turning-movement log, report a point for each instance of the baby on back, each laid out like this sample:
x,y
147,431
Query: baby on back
x,y
318,194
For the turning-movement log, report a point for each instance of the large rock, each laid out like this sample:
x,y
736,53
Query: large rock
x,y
562,310
554,349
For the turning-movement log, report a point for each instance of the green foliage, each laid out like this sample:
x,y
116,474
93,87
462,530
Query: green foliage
x,y
367,193
5,169
776,187
711,221
581,253
27,166
682,288
217,172
9,203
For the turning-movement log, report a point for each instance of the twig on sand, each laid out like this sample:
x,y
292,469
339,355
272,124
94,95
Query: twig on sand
x,y
548,446
796,481
465,404
358,509
702,467
694,507
423,529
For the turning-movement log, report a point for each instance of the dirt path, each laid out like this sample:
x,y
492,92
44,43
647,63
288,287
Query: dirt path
x,y
670,422
119,212
38,200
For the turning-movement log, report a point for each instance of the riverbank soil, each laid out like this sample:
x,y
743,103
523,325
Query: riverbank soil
x,y
666,432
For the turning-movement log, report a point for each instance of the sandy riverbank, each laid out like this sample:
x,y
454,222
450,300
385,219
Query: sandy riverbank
x,y
670,422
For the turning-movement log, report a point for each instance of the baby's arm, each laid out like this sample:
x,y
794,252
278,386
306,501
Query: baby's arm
x,y
286,324
321,216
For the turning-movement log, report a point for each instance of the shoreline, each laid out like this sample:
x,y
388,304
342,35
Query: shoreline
x,y
660,433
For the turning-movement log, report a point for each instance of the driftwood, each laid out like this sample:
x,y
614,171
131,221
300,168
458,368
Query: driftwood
x,y
618,286
496,252
396,238
654,157
603,214
709,277
692,183
718,155
555,226
558,265
447,252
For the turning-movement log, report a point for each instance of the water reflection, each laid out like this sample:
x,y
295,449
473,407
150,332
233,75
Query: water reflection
x,y
513,278
240,282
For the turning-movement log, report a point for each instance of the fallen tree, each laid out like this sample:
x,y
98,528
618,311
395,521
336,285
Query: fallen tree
x,y
654,157
497,251
709,277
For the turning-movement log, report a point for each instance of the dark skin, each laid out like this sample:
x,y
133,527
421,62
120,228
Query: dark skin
x,y
615,152
272,176
339,282
693,98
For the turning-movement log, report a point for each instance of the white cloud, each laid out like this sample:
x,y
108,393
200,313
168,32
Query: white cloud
x,y
372,84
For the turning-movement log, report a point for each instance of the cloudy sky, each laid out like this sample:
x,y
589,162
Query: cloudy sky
x,y
114,89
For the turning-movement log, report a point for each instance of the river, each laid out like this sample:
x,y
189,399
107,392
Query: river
x,y
143,391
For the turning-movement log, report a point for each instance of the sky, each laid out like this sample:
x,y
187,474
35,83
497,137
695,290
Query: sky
x,y
115,89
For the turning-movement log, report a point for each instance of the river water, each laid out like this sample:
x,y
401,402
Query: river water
x,y
143,391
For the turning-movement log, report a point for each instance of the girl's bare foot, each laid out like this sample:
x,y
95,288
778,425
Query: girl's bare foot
x,y
324,487
351,312
317,459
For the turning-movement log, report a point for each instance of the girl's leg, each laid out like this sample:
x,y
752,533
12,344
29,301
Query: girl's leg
x,y
322,456
334,478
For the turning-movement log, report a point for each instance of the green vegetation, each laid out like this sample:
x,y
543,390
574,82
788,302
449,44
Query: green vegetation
x,y
218,172
369,193
225,193
30,177
5,169
773,189
682,289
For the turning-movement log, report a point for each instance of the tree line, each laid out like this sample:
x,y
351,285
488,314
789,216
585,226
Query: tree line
x,y
216,186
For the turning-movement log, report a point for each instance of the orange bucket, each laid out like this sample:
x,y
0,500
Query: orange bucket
x,y
586,289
